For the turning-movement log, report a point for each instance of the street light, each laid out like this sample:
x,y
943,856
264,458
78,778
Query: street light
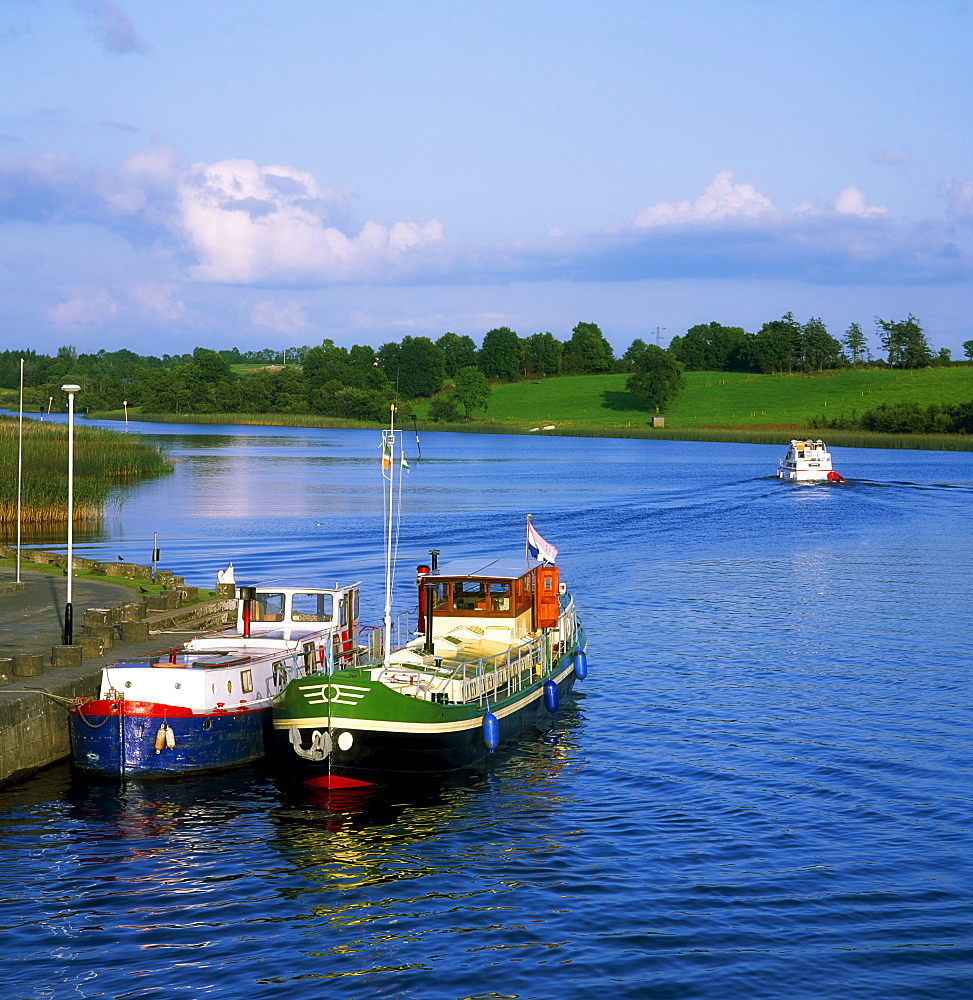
x,y
68,637
125,404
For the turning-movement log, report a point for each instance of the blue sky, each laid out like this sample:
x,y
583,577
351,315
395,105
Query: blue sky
x,y
252,174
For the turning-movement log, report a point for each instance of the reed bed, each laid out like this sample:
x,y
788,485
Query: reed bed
x,y
102,461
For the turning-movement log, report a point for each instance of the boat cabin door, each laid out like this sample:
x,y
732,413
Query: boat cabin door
x,y
546,599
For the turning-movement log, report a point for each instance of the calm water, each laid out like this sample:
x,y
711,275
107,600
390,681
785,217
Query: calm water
x,y
762,789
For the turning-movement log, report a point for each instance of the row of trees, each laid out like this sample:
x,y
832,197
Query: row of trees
x,y
785,345
359,382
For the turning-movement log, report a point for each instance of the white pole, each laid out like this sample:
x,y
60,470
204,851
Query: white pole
x,y
69,609
125,404
387,652
20,465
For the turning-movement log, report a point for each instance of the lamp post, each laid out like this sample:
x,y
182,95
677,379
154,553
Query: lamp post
x,y
125,404
68,636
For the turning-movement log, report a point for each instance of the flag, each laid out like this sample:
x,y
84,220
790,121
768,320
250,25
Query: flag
x,y
537,548
405,464
386,455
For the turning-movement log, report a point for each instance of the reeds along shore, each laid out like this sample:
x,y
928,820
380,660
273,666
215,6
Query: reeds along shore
x,y
102,460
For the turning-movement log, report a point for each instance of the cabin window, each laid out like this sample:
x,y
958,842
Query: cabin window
x,y
500,598
469,595
312,608
269,608
246,681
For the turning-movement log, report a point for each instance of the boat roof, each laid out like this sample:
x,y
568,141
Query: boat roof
x,y
485,569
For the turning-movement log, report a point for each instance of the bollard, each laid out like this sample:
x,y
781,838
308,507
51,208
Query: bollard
x,y
91,646
226,590
133,611
6,669
104,632
28,664
189,593
97,616
66,656
135,632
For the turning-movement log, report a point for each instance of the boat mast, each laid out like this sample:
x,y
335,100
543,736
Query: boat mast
x,y
388,472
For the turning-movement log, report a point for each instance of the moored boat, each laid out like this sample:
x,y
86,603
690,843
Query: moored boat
x,y
808,461
207,705
498,646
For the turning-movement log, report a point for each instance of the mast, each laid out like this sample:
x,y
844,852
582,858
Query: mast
x,y
388,473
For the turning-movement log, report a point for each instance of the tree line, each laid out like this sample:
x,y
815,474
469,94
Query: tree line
x,y
360,382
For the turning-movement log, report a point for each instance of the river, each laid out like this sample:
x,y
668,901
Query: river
x,y
761,790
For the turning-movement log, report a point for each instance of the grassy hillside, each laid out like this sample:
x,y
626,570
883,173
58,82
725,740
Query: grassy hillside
x,y
724,399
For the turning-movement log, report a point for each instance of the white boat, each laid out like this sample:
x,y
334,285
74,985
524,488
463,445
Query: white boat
x,y
808,461
206,705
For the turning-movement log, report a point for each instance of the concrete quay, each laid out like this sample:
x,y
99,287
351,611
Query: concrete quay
x,y
40,678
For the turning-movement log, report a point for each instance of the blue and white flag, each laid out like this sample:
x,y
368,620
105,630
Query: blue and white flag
x,y
537,548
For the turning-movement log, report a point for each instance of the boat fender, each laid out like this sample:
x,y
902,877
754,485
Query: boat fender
x,y
551,699
165,738
491,731
580,665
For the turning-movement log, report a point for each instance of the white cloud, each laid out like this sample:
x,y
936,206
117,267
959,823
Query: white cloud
x,y
851,201
248,224
283,317
85,307
721,199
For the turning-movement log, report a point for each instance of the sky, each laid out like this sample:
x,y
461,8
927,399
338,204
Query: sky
x,y
254,174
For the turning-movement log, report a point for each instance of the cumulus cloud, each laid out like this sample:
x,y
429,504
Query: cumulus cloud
x,y
281,317
721,199
732,230
111,26
239,222
248,224
851,201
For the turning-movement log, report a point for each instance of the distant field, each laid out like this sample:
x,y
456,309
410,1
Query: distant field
x,y
724,399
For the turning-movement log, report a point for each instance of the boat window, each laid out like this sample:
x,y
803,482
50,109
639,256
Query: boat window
x,y
269,608
468,594
499,596
312,608
246,681
440,595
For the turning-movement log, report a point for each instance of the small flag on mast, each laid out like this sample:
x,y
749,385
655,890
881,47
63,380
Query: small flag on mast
x,y
537,548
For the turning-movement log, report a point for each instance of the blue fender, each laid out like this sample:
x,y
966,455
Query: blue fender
x,y
552,700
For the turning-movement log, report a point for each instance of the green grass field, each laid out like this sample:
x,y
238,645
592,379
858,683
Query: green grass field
x,y
723,399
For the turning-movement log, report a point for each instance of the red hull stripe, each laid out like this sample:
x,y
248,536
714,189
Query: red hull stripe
x,y
150,709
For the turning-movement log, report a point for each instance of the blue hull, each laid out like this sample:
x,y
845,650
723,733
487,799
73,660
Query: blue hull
x,y
117,746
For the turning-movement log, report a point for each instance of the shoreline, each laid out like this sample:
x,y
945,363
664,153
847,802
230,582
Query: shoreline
x,y
740,434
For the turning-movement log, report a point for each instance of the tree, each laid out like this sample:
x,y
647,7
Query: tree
x,y
905,342
856,347
658,376
459,351
472,390
773,347
819,350
542,355
968,349
587,352
421,367
501,355
712,347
